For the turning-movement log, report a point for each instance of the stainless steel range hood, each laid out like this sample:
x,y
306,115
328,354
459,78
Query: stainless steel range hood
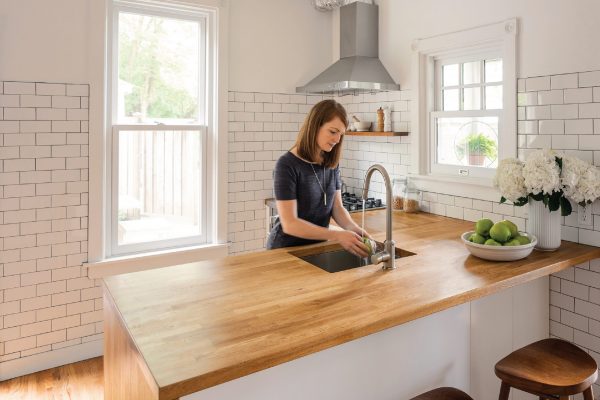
x,y
359,68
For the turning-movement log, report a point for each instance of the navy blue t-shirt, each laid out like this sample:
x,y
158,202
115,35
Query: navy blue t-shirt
x,y
294,179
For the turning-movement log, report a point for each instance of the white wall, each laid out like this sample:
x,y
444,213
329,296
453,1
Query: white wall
x,y
44,41
556,36
276,45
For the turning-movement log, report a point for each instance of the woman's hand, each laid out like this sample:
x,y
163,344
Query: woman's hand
x,y
362,233
352,242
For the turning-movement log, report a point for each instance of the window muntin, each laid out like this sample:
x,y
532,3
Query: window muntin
x,y
465,125
159,134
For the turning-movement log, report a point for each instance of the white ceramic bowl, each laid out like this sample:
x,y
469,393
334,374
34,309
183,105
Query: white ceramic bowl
x,y
362,126
499,253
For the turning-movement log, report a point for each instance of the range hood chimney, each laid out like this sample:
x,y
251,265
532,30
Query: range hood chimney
x,y
359,68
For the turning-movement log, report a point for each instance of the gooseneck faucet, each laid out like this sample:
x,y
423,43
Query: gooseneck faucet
x,y
386,256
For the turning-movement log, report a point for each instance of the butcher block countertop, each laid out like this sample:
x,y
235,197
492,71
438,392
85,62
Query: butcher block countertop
x,y
201,324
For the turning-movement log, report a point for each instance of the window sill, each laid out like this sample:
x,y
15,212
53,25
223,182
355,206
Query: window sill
x,y
474,188
157,259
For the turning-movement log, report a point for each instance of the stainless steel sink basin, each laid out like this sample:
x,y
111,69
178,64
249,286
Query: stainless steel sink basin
x,y
334,258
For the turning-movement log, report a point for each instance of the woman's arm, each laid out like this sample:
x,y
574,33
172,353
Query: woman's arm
x,y
292,225
342,216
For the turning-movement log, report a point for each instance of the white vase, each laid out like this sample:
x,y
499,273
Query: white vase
x,y
544,225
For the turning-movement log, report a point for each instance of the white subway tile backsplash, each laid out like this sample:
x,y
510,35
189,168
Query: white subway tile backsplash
x,y
19,88
591,78
537,83
589,237
575,290
596,94
454,212
550,97
263,97
565,111
589,110
563,142
35,101
77,90
564,81
579,127
50,89
282,98
35,151
538,112
581,95
551,127
19,114
562,301
574,320
589,142
537,141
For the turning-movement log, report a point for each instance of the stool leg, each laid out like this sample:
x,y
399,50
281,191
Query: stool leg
x,y
504,391
588,394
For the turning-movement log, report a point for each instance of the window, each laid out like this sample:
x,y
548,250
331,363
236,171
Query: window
x,y
465,114
464,127
160,127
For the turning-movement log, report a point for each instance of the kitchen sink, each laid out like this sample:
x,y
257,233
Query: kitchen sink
x,y
334,258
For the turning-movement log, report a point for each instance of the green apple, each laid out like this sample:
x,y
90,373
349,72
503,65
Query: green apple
x,y
514,229
477,238
492,242
500,232
513,242
523,240
369,243
483,226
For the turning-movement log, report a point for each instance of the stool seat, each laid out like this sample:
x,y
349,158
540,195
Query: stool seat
x,y
548,367
443,393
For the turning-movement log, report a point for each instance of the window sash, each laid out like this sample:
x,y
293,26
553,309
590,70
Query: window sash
x,y
460,170
113,223
439,64
151,8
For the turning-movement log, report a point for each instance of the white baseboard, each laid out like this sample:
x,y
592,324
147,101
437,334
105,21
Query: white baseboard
x,y
39,362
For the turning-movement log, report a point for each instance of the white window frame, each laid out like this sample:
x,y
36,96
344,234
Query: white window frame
x,y
112,233
100,259
495,39
143,7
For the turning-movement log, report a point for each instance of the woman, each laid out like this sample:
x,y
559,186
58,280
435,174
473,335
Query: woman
x,y
307,185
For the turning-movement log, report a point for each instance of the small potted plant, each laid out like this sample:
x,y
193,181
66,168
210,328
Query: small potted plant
x,y
477,147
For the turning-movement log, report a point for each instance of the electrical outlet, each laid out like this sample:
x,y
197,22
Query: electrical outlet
x,y
584,215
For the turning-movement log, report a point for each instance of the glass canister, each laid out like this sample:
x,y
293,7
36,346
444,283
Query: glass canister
x,y
412,200
398,193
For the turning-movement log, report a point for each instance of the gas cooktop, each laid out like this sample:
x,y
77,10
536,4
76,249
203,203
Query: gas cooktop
x,y
353,203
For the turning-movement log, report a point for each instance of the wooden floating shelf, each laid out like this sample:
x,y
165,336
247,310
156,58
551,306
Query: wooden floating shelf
x,y
376,133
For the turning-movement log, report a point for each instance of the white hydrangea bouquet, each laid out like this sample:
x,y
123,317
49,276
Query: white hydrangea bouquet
x,y
549,177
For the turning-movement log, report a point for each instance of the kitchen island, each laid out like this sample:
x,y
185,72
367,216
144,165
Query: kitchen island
x,y
442,317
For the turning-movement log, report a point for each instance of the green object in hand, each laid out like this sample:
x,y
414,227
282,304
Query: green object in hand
x,y
370,244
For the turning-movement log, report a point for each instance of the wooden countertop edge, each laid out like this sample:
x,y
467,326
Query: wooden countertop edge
x,y
192,385
117,313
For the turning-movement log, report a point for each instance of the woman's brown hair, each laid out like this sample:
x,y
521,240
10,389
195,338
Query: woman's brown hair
x,y
306,142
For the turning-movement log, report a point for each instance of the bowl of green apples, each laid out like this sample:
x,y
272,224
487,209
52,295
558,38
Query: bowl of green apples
x,y
500,241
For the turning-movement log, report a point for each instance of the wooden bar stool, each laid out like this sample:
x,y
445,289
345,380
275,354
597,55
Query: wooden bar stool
x,y
443,393
550,369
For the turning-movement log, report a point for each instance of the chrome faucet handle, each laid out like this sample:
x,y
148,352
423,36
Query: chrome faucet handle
x,y
380,257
